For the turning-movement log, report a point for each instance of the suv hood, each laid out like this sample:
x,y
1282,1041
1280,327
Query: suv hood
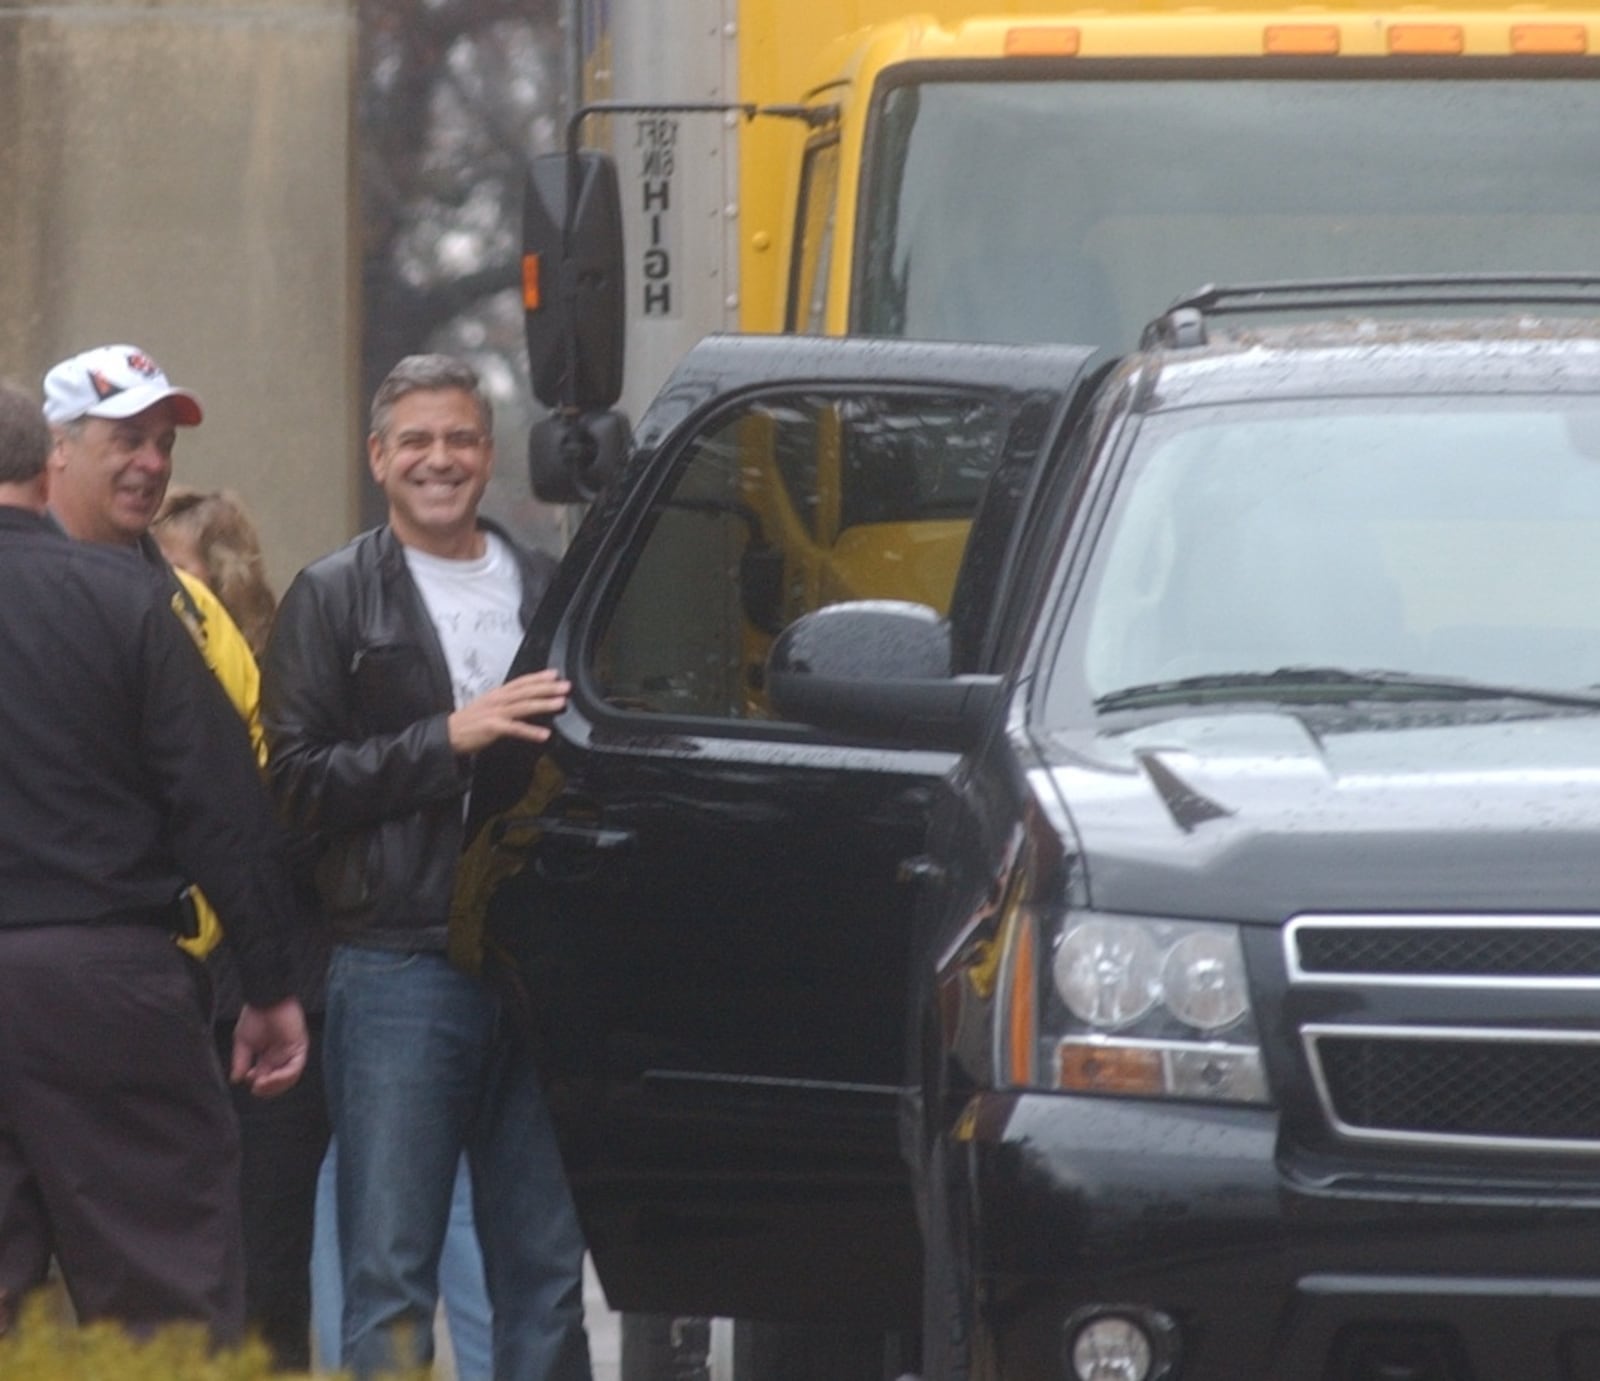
x,y
1259,816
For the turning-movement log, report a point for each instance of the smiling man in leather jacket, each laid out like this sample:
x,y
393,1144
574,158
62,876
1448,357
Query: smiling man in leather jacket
x,y
381,681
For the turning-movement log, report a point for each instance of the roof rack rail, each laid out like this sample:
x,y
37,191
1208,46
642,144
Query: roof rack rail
x,y
1183,324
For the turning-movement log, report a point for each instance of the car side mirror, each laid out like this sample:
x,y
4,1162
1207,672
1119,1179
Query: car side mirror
x,y
879,669
572,280
572,457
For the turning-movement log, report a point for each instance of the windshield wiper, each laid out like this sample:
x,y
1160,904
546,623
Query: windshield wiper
x,y
1331,683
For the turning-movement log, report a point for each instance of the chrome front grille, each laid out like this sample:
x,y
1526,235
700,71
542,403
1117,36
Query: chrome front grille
x,y
1452,1079
1447,951
1490,951
1514,1089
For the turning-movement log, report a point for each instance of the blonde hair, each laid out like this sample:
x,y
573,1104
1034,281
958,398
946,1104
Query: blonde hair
x,y
226,538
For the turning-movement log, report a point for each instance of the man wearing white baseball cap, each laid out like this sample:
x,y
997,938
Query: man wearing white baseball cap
x,y
125,773
115,417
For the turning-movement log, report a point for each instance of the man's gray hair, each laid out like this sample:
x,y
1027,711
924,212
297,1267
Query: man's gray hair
x,y
429,373
24,436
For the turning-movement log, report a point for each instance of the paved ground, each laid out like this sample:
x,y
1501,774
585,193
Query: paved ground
x,y
605,1338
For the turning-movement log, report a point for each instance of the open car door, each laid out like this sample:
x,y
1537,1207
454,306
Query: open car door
x,y
704,913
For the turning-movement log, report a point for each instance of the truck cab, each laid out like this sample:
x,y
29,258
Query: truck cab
x,y
1025,171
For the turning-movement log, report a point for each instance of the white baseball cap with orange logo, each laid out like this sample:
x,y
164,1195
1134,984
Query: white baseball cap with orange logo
x,y
113,381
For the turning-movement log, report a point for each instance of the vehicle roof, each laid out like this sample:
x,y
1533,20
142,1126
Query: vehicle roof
x,y
1171,28
1369,356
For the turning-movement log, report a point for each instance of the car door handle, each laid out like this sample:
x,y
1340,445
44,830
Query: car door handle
x,y
919,868
563,850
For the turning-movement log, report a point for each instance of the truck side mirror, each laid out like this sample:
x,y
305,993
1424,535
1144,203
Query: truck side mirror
x,y
572,280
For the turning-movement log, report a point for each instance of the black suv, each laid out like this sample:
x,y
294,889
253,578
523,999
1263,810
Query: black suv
x,y
1204,905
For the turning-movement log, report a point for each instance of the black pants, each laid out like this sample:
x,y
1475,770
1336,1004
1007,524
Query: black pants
x,y
119,1150
284,1140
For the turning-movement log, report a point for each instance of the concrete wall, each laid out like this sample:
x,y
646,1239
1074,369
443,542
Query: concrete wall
x,y
179,176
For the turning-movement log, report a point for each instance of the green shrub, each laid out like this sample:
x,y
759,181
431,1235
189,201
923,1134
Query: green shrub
x,y
45,1347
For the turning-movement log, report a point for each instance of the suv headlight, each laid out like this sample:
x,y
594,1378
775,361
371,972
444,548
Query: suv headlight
x,y
1132,1005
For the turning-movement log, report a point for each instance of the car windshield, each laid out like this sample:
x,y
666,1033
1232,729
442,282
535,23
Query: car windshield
x,y
1130,205
1274,549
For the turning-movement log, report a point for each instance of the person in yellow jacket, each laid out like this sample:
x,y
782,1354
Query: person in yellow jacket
x,y
234,665
114,418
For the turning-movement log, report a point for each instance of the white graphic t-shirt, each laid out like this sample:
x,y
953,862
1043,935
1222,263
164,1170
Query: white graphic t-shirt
x,y
474,606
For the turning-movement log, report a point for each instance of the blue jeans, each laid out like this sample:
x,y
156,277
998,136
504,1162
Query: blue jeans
x,y
461,1282
421,1063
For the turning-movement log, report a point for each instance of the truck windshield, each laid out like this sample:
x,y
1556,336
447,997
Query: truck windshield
x,y
1445,537
1076,210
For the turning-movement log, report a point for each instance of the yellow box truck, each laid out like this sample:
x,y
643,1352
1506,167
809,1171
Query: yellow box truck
x,y
1024,172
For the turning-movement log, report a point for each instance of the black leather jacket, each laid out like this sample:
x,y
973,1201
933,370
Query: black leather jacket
x,y
355,695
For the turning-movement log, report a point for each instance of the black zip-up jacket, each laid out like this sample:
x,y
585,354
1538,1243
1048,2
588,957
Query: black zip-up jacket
x,y
355,695
125,773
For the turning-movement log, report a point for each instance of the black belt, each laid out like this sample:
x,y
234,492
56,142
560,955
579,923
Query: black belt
x,y
178,917
173,918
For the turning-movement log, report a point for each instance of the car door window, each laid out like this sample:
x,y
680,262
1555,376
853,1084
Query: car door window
x,y
780,506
